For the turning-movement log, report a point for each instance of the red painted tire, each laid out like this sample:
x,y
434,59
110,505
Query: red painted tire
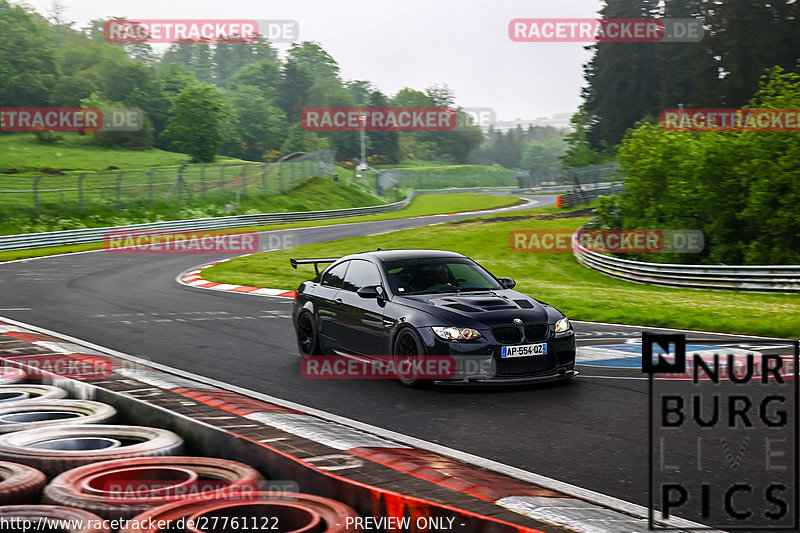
x,y
20,484
60,448
301,513
90,523
33,392
35,414
101,487
10,374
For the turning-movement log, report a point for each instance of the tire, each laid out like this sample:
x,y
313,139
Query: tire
x,y
89,523
32,414
307,334
20,484
92,487
34,392
287,512
10,375
131,441
408,344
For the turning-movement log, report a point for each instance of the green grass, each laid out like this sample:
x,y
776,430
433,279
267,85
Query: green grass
x,y
431,204
582,293
25,153
309,195
447,176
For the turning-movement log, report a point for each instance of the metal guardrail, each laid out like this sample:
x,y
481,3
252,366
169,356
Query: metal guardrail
x,y
90,235
589,192
744,277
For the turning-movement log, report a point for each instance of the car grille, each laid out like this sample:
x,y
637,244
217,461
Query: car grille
x,y
520,366
507,335
535,332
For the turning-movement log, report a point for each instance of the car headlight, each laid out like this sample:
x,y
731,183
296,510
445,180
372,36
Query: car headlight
x,y
563,325
453,333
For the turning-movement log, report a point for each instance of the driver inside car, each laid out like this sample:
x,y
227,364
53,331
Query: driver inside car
x,y
441,280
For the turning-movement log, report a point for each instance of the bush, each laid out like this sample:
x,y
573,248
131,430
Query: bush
x,y
740,189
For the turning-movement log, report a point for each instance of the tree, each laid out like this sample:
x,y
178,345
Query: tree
x,y
360,90
28,68
622,78
311,57
578,153
740,189
542,158
261,124
196,122
384,143
293,90
300,140
264,75
230,58
141,139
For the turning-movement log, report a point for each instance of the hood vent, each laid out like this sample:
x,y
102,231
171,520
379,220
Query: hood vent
x,y
524,304
462,307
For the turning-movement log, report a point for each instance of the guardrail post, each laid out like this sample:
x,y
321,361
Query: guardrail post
x,y
264,177
203,182
36,196
150,185
222,179
244,179
280,176
80,191
181,185
119,189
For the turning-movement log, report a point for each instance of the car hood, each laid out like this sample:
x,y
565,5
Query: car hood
x,y
483,309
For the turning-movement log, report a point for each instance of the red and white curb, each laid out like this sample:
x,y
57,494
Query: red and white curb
x,y
194,278
532,495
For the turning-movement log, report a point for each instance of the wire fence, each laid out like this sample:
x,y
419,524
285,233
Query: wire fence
x,y
72,193
420,179
576,177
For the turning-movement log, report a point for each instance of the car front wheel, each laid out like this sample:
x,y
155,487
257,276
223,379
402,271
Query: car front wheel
x,y
307,338
407,349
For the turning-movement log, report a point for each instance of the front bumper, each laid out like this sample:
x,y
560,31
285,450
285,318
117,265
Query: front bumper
x,y
479,361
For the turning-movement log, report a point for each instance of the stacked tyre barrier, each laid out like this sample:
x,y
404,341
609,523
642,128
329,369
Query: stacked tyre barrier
x,y
70,465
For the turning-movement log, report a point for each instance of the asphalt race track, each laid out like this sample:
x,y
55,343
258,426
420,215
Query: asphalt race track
x,y
591,432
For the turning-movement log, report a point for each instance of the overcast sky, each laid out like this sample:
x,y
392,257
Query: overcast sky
x,y
409,43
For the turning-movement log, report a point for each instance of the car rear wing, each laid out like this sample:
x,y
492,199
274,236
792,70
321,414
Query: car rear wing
x,y
314,262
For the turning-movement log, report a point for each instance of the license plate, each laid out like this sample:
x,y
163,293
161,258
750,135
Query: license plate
x,y
525,350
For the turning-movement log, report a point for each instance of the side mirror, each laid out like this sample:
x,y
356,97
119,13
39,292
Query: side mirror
x,y
371,291
507,283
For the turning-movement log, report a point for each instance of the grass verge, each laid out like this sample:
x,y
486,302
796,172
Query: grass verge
x,y
582,293
431,204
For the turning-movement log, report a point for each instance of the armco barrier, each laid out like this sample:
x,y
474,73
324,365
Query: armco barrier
x,y
589,192
84,236
755,277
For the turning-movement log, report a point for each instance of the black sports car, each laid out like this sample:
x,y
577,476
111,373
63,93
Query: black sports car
x,y
417,303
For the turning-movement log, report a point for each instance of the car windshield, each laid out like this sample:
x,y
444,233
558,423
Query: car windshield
x,y
438,275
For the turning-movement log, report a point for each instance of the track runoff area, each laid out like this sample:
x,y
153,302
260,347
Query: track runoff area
x,y
721,405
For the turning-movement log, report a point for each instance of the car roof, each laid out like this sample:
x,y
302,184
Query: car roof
x,y
393,255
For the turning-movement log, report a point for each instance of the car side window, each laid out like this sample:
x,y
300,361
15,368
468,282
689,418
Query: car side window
x,y
335,276
361,274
